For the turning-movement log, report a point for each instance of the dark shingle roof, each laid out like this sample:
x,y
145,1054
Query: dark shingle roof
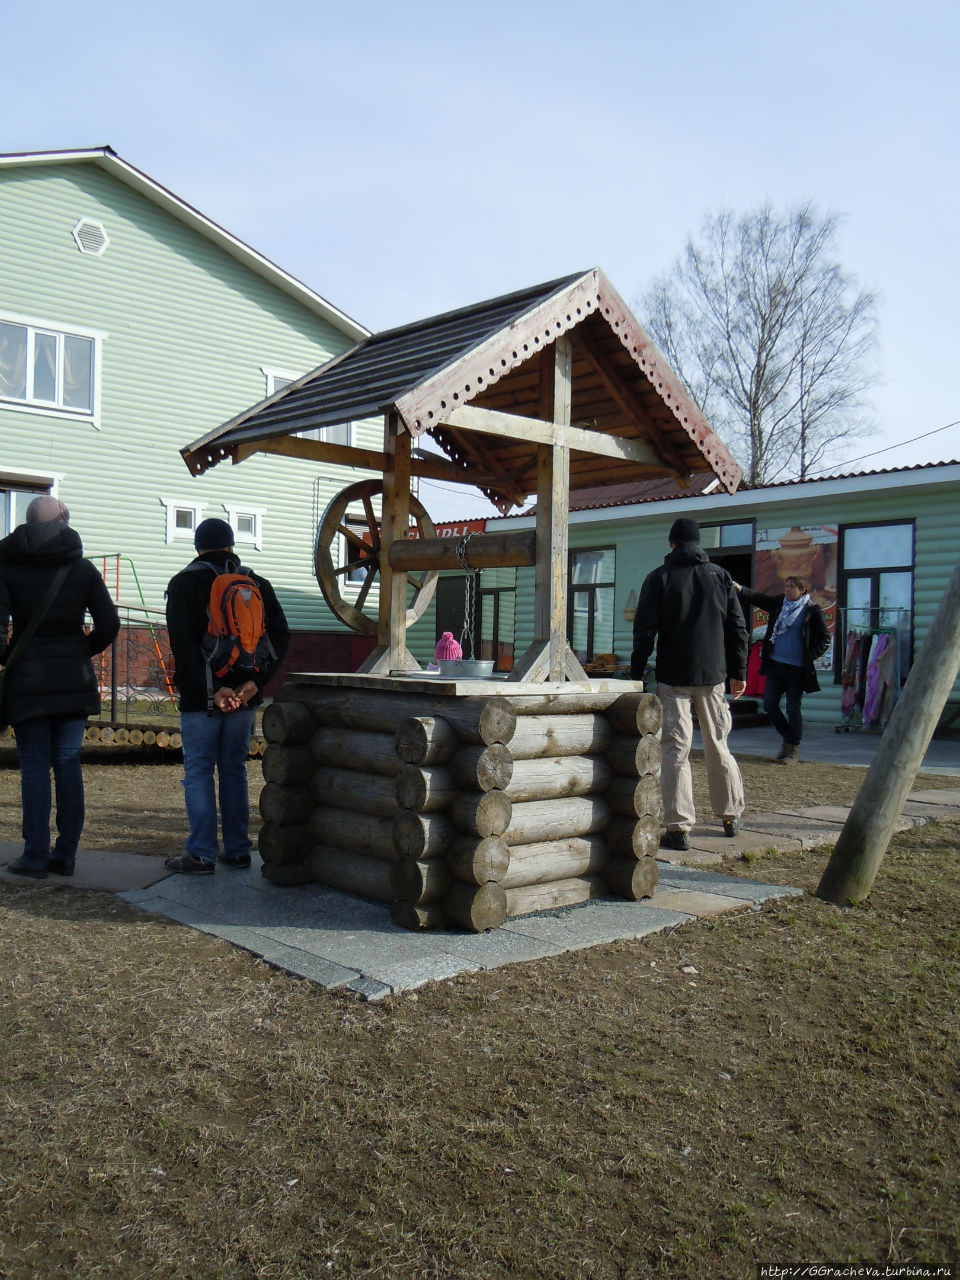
x,y
488,356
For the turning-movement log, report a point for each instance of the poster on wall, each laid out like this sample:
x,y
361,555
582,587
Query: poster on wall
x,y
808,551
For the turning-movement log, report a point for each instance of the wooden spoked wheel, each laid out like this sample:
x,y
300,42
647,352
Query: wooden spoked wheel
x,y
362,537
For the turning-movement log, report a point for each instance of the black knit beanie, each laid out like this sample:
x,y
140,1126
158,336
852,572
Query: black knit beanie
x,y
684,530
212,535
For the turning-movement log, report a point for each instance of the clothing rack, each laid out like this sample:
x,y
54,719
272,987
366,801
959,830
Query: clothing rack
x,y
872,665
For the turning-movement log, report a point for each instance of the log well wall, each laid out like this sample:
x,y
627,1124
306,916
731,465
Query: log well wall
x,y
463,809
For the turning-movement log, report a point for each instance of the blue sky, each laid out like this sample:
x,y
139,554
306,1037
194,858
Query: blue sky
x,y
406,159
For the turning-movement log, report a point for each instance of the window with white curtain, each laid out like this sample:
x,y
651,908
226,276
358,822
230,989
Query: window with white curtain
x,y
45,367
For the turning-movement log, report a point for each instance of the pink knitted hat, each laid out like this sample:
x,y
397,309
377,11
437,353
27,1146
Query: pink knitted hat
x,y
447,648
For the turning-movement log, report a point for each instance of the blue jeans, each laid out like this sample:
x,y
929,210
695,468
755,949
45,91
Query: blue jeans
x,y
216,742
783,678
41,744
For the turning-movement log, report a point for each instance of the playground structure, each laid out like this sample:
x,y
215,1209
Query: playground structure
x,y
465,801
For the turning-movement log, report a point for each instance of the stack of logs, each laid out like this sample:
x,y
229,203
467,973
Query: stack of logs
x,y
462,810
123,735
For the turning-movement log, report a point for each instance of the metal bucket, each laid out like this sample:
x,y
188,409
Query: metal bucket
x,y
466,668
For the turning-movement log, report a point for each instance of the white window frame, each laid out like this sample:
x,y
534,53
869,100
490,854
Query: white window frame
x,y
273,376
241,537
14,480
173,505
55,408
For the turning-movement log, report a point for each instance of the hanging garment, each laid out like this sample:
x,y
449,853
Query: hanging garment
x,y
879,686
848,678
866,647
890,669
756,683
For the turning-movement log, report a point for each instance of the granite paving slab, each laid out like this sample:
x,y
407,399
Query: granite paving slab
x,y
695,856
948,796
835,813
694,904
807,832
506,945
588,924
104,872
755,891
745,841
928,811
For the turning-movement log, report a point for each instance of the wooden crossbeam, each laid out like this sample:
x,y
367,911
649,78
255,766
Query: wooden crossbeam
x,y
579,439
371,460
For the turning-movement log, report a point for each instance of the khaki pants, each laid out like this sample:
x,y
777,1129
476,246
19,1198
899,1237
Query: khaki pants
x,y
723,775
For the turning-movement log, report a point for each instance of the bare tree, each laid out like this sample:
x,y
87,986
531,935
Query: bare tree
x,y
772,338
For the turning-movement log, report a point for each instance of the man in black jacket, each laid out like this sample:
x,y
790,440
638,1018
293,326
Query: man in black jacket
x,y
689,608
51,687
216,738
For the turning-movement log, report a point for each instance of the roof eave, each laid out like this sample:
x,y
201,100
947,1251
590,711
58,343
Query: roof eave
x,y
106,158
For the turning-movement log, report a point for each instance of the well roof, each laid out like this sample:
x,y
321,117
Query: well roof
x,y
488,356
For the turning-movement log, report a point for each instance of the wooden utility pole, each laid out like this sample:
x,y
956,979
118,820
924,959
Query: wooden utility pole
x,y
866,834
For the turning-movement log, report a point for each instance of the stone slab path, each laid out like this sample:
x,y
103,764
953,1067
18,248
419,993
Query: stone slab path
x,y
340,941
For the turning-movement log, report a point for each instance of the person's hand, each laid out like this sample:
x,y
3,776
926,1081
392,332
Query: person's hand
x,y
246,691
226,699
736,586
736,688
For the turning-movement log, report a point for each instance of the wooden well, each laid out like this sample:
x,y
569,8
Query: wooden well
x,y
462,803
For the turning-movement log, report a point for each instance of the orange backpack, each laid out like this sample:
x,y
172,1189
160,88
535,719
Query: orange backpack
x,y
236,637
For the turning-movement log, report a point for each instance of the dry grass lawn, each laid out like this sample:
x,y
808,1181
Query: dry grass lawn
x,y
776,1086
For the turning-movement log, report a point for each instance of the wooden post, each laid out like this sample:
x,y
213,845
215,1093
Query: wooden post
x,y
391,651
866,834
546,657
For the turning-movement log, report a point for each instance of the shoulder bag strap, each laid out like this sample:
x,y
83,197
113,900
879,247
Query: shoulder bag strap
x,y
27,634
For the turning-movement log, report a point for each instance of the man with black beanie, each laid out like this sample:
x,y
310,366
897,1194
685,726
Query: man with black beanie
x,y
689,608
216,721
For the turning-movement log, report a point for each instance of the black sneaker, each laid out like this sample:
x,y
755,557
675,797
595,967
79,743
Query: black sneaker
x,y
60,867
21,868
678,840
188,865
731,826
242,860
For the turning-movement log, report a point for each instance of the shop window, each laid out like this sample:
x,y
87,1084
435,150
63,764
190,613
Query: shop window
x,y
876,581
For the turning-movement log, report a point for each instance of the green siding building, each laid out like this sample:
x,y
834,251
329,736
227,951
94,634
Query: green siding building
x,y
130,323
879,549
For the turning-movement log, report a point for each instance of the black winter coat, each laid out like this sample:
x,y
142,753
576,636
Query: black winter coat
x,y
53,676
813,632
188,594
689,607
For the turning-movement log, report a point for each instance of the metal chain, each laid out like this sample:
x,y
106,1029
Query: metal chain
x,y
471,592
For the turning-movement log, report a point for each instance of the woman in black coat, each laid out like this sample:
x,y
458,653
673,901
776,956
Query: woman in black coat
x,y
51,688
796,636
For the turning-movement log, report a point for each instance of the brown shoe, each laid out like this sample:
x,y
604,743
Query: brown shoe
x,y
789,753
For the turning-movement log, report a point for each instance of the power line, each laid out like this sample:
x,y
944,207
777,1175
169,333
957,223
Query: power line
x,y
863,457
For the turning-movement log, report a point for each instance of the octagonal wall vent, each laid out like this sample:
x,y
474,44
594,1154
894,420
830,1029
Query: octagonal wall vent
x,y
91,237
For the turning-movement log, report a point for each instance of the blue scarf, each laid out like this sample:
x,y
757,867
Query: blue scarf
x,y
790,612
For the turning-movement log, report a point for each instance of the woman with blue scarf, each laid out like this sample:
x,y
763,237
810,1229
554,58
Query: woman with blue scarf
x,y
796,636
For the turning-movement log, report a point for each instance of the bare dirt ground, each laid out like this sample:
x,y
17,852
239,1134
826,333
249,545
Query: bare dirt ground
x,y
777,1086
